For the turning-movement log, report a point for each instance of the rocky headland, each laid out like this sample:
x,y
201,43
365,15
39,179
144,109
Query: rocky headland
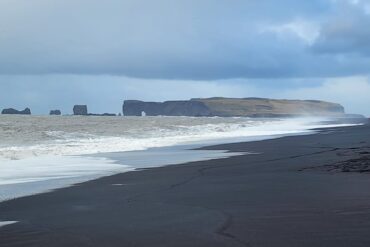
x,y
222,107
233,107
168,108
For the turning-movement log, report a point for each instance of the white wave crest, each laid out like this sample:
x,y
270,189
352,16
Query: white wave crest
x,y
78,142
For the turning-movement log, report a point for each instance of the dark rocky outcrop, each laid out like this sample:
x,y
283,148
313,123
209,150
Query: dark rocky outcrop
x,y
55,112
168,108
80,110
233,107
26,111
102,115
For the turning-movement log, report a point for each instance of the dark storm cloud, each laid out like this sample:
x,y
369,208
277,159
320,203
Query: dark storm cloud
x,y
185,39
347,32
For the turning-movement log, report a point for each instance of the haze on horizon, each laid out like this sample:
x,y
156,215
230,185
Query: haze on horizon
x,y
55,54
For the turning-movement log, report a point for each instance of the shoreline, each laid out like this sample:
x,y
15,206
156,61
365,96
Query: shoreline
x,y
62,176
121,162
74,170
264,200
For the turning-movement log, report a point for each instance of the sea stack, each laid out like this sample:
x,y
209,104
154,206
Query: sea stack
x,y
80,110
55,112
26,111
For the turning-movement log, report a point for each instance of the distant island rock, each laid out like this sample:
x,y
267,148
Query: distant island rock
x,y
55,112
26,111
80,110
233,107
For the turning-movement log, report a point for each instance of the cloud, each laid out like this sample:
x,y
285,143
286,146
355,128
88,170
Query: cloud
x,y
305,30
58,53
178,40
352,92
346,31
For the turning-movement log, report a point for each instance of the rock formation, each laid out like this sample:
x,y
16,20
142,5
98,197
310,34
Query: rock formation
x,y
26,111
102,115
168,108
232,107
55,112
80,110
260,107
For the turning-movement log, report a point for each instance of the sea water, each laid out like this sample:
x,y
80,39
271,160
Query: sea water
x,y
43,153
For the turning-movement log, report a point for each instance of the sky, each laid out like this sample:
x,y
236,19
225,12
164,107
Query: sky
x,y
54,54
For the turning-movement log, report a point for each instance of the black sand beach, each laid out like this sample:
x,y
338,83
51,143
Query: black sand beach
x,y
297,191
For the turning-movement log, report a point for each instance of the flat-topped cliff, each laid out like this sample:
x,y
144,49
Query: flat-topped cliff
x,y
233,107
261,107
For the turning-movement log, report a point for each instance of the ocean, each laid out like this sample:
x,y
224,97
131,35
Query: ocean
x,y
43,153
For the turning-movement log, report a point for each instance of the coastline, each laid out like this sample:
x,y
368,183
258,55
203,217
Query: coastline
x,y
267,199
31,170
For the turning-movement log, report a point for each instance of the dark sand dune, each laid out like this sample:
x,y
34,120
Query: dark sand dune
x,y
295,192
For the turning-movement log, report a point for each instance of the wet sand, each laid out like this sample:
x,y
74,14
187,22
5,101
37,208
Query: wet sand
x,y
297,191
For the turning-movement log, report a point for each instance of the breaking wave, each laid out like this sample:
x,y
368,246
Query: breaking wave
x,y
43,136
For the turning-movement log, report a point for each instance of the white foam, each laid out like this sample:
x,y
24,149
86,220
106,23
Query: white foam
x,y
55,167
5,223
48,165
36,175
66,143
41,174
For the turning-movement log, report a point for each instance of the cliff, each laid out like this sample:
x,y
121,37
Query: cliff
x,y
260,107
233,107
168,108
26,111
